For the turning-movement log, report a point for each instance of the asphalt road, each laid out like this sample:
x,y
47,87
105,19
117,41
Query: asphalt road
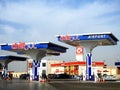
x,y
17,84
84,85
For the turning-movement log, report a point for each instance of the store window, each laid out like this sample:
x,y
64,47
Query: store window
x,y
43,64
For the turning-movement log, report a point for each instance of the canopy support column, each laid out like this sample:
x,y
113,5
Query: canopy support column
x,y
37,56
89,46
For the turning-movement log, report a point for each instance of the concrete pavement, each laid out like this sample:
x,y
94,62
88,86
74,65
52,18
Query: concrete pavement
x,y
17,84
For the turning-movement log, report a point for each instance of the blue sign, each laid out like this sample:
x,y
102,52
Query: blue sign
x,y
21,46
110,37
88,67
35,66
117,63
82,37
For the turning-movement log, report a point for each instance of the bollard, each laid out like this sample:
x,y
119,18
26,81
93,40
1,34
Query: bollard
x,y
98,80
40,80
28,80
103,81
44,80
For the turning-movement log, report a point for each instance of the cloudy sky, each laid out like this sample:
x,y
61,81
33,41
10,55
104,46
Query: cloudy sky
x,y
41,20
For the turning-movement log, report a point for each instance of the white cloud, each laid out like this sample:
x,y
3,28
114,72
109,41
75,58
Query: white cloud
x,y
43,17
40,15
44,21
8,30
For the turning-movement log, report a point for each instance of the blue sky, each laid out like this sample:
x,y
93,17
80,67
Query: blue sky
x,y
41,20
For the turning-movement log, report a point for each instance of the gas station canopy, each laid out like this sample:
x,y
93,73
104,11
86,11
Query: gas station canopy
x,y
5,59
11,57
102,39
35,50
89,41
46,46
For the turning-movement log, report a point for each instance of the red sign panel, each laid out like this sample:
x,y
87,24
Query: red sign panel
x,y
63,38
79,50
22,45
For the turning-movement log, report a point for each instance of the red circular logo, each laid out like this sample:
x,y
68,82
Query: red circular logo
x,y
79,50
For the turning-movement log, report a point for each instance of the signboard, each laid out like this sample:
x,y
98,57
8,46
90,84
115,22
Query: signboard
x,y
83,37
22,45
79,53
68,37
89,67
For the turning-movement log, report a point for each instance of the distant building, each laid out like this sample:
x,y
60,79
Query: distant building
x,y
117,64
45,66
75,68
71,68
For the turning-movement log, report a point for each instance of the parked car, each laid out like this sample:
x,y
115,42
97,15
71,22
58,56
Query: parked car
x,y
58,76
109,78
51,76
62,76
24,76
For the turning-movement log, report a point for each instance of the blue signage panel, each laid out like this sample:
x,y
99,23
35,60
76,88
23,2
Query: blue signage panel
x,y
83,37
10,57
88,37
24,46
3,58
117,63
35,66
88,67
